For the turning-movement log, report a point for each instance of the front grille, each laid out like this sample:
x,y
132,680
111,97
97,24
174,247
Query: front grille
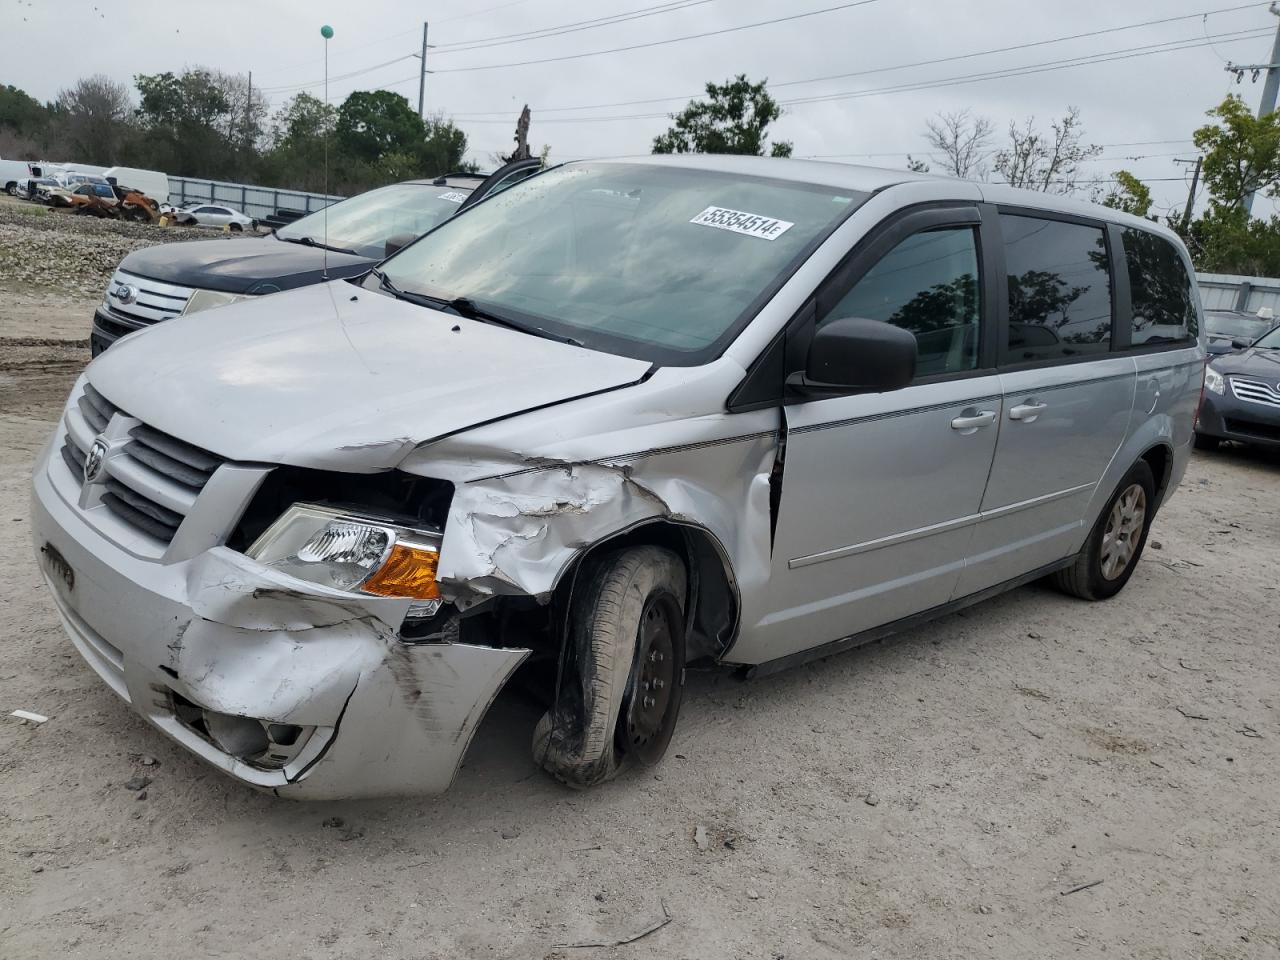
x,y
151,482
1247,428
1255,391
142,301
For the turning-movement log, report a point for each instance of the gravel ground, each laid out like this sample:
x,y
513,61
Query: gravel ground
x,y
1034,777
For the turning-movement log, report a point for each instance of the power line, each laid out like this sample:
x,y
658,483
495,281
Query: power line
x,y
577,26
289,87
888,69
1129,53
660,43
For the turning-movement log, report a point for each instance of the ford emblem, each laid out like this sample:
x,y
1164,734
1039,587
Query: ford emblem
x,y
94,459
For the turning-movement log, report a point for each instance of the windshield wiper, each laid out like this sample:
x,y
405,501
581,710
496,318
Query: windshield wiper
x,y
468,308
313,242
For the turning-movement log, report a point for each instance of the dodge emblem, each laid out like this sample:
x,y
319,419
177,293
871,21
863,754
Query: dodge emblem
x,y
94,459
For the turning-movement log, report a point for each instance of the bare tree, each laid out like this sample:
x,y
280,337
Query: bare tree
x,y
1047,162
963,141
94,117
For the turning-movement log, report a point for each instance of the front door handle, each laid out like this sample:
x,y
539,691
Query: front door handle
x,y
1027,411
970,421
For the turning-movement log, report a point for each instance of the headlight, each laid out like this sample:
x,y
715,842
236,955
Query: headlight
x,y
353,553
204,299
1214,381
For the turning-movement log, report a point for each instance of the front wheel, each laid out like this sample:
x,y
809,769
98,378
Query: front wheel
x,y
624,672
1110,554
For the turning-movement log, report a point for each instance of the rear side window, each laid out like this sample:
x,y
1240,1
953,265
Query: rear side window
x,y
1059,289
927,284
1164,305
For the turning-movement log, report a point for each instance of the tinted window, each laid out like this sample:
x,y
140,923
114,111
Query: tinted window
x,y
1164,306
927,284
1059,289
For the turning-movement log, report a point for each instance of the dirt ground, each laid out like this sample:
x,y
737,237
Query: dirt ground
x,y
950,794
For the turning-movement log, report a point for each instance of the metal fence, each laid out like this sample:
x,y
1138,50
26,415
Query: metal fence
x,y
1222,291
258,202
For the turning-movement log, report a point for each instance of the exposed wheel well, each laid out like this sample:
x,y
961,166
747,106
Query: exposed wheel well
x,y
1160,459
713,596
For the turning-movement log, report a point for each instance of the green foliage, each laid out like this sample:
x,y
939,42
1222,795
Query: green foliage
x,y
372,123
1225,240
734,118
1129,194
1241,152
20,112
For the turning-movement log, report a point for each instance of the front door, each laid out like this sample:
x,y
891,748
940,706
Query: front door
x,y
879,492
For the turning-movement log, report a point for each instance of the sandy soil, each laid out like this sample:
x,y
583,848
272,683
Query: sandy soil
x,y
939,796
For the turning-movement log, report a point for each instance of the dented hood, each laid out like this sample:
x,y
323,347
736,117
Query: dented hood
x,y
339,377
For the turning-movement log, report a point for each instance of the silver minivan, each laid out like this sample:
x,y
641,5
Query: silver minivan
x,y
630,416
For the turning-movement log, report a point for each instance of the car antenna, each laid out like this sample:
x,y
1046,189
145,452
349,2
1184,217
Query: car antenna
x,y
327,32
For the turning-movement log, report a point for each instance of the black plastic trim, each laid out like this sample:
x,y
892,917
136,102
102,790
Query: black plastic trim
x,y
898,626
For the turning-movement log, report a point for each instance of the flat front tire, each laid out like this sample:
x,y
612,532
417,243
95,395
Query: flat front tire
x,y
1110,554
623,679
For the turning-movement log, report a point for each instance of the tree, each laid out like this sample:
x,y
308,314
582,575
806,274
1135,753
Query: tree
x,y
443,146
1241,152
963,140
916,166
187,120
1046,162
94,119
21,113
1227,240
373,122
734,118
1128,194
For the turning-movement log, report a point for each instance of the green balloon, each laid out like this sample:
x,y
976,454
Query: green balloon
x,y
327,32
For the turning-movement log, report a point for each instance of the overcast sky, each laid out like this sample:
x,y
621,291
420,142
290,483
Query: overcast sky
x,y
1125,102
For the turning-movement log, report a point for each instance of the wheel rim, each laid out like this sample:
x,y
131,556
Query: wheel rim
x,y
1124,531
651,686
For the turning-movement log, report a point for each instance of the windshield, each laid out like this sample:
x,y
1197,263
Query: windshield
x,y
1271,341
1233,326
653,262
365,223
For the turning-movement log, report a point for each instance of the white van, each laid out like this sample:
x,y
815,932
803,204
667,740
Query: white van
x,y
11,171
151,182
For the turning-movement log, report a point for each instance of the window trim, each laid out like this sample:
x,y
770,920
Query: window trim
x,y
1002,281
1190,340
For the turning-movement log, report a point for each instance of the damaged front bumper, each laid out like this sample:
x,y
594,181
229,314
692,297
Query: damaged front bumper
x,y
285,686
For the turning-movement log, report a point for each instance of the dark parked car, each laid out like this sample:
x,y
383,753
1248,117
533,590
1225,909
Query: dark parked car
x,y
1242,396
1234,329
344,240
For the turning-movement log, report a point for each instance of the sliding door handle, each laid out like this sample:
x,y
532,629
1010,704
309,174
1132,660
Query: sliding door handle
x,y
1027,411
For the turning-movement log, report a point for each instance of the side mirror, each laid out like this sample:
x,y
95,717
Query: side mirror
x,y
1238,344
852,355
396,243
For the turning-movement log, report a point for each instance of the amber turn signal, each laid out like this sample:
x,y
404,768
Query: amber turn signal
x,y
407,572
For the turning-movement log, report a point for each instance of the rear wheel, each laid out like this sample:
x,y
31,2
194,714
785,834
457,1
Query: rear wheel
x,y
1207,443
624,673
1110,554
236,228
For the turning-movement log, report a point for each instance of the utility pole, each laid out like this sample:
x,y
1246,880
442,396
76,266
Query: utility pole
x,y
248,114
1191,195
421,74
1269,89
